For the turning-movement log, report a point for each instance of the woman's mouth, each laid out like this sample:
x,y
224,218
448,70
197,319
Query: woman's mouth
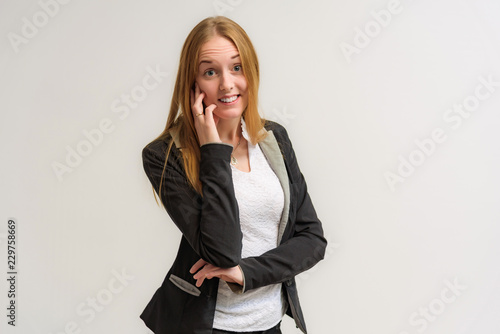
x,y
229,100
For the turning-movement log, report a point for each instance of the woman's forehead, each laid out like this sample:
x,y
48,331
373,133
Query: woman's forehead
x,y
218,47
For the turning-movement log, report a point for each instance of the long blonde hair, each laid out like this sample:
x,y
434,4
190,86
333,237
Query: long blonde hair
x,y
180,119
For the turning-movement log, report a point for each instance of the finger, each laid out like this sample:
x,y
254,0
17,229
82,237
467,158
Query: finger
x,y
197,89
207,268
209,110
197,106
209,271
200,263
199,281
199,100
218,272
202,274
197,93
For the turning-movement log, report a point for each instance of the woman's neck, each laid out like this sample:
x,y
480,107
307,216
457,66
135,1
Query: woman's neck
x,y
229,130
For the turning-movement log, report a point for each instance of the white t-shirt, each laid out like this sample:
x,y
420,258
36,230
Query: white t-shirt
x,y
260,201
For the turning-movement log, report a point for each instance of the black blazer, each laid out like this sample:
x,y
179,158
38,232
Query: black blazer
x,y
211,231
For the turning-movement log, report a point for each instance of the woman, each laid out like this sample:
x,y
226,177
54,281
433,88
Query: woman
x,y
231,183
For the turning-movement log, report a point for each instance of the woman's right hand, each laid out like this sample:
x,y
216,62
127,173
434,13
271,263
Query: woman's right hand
x,y
202,270
205,122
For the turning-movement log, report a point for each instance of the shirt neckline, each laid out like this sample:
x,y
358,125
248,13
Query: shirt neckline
x,y
251,147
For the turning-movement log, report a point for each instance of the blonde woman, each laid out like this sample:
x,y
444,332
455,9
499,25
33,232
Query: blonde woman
x,y
230,182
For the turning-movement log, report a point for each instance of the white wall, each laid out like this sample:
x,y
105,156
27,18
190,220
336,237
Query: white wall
x,y
353,116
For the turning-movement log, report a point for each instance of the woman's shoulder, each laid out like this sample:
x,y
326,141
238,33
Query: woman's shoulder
x,y
278,130
275,127
158,146
272,125
157,150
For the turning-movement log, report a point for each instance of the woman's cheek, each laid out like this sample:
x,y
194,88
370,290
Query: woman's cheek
x,y
207,101
211,100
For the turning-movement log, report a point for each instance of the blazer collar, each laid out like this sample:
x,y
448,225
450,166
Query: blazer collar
x,y
271,149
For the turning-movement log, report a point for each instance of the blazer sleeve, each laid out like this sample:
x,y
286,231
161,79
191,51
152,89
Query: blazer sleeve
x,y
210,223
303,244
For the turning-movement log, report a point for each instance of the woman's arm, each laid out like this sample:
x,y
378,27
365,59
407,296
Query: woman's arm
x,y
209,223
303,245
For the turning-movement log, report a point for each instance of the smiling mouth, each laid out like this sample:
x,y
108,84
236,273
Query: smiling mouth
x,y
229,99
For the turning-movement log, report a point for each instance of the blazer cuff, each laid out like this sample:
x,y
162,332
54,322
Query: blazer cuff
x,y
235,287
214,142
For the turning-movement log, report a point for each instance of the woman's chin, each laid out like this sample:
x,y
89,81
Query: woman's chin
x,y
228,113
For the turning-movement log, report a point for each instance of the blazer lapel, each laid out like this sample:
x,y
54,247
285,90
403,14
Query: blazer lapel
x,y
270,147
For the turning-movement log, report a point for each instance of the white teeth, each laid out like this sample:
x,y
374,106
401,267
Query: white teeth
x,y
231,99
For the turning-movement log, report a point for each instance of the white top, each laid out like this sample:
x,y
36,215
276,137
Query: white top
x,y
260,201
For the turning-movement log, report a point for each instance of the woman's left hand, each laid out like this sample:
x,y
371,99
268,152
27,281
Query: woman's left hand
x,y
208,271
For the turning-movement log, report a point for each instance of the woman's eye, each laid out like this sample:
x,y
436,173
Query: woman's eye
x,y
210,73
237,68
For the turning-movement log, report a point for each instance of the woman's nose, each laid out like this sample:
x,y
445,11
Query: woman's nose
x,y
226,82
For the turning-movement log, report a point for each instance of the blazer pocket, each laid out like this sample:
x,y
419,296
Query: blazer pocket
x,y
184,285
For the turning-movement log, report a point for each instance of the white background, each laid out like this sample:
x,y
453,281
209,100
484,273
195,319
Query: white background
x,y
351,119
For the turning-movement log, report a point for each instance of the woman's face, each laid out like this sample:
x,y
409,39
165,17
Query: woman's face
x,y
220,76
